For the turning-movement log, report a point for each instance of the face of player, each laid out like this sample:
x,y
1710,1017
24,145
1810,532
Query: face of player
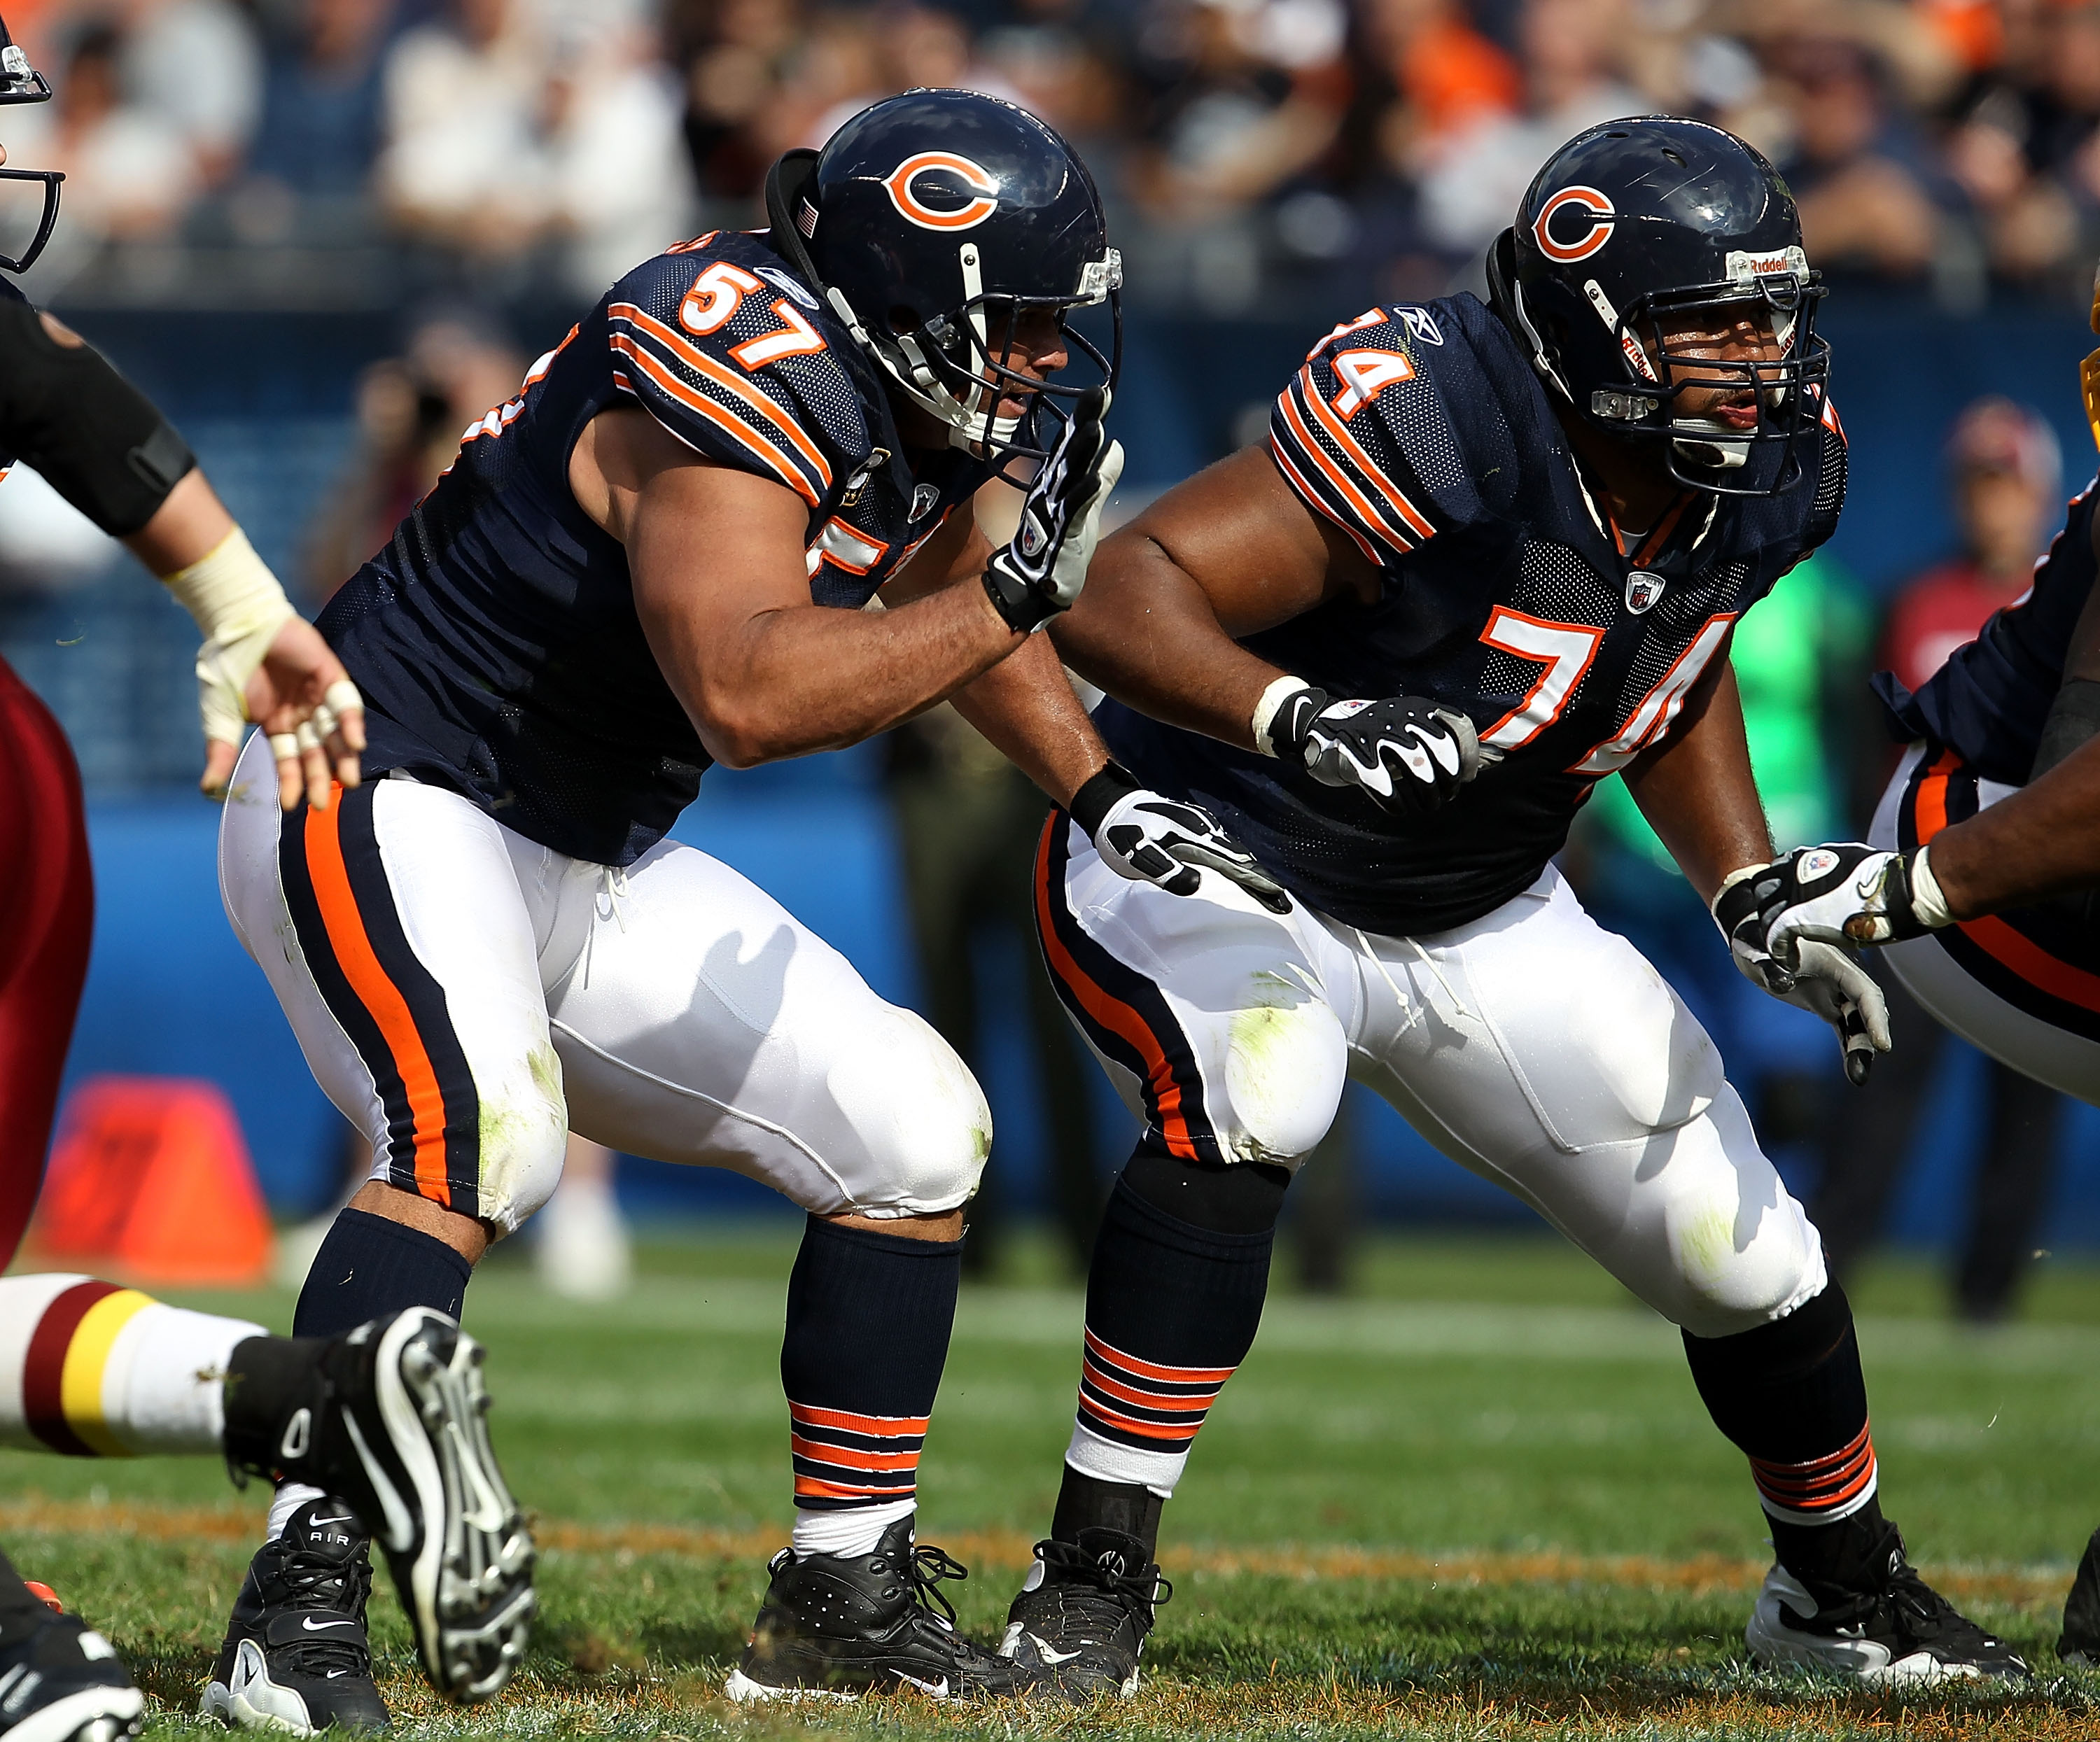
x,y
1733,337
1034,347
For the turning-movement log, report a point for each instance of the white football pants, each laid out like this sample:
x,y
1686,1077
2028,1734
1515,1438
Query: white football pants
x,y
2022,1019
1532,1047
467,997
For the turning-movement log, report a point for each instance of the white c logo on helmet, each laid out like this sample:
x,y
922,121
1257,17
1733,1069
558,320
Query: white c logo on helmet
x,y
1602,217
974,176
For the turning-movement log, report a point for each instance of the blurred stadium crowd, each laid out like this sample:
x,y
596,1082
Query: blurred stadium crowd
x,y
1254,152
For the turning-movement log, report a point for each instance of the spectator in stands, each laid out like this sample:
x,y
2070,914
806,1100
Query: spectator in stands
x,y
2003,468
1871,199
1448,79
197,66
319,136
1572,81
735,53
459,165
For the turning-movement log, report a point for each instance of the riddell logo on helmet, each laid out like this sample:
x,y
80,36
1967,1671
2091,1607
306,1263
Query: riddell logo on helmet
x,y
907,188
1586,229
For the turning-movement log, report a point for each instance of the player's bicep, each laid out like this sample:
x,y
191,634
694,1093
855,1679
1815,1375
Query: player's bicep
x,y
1236,530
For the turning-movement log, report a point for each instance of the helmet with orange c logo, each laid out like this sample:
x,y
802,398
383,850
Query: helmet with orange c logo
x,y
931,222
1637,233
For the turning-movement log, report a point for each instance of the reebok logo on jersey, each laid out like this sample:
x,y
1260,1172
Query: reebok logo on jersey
x,y
787,281
1421,325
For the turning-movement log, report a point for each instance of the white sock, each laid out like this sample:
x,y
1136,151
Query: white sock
x,y
132,1375
850,1532
291,1495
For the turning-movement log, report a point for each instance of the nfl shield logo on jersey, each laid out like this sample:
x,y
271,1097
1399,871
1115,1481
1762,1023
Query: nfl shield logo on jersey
x,y
1643,590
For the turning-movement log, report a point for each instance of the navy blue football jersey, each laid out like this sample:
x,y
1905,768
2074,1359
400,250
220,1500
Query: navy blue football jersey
x,y
495,639
1988,701
1423,433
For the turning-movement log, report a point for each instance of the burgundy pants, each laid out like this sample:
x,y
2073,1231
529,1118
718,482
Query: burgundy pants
x,y
47,919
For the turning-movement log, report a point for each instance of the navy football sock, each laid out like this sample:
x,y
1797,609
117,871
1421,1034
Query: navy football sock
x,y
869,1317
1173,1298
1792,1396
369,1266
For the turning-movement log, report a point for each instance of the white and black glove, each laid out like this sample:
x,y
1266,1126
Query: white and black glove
x,y
1823,978
1150,838
1845,893
1041,572
1408,754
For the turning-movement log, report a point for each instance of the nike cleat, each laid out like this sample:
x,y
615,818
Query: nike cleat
x,y
1082,1617
62,1682
395,1421
296,1658
1897,1631
836,1626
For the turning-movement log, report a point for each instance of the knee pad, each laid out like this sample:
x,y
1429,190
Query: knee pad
x,y
922,1122
1285,1064
524,1140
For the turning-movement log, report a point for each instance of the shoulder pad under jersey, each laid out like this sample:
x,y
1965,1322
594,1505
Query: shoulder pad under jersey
x,y
735,355
1367,430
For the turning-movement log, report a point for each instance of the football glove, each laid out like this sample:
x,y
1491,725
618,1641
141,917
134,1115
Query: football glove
x,y
1041,572
1150,838
1407,753
1843,893
1823,978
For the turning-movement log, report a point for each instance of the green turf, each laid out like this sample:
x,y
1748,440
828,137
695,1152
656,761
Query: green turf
x,y
1497,1408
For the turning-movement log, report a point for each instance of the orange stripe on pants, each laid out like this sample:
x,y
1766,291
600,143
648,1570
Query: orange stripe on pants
x,y
377,993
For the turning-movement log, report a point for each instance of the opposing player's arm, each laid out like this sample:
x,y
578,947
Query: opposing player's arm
x,y
1232,551
1696,788
722,590
1024,705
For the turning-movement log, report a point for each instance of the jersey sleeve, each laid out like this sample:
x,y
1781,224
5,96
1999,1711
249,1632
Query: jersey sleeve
x,y
1337,430
707,380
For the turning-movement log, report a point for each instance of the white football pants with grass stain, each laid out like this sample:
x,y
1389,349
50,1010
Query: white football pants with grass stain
x,y
467,998
1532,1047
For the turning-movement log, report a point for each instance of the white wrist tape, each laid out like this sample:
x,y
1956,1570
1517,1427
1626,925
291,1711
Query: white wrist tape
x,y
1732,879
1266,710
1927,900
238,605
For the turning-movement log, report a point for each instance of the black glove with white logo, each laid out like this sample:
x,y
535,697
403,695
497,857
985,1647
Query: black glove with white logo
x,y
1820,973
1408,754
1041,572
1846,893
1150,838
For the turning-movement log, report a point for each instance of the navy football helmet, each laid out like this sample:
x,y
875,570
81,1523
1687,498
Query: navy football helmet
x,y
1632,231
20,82
931,222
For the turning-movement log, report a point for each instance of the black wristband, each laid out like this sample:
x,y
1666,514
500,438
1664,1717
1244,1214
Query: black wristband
x,y
2073,716
1025,610
1102,794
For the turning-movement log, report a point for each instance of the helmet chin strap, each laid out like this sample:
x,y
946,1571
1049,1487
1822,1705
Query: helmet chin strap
x,y
969,426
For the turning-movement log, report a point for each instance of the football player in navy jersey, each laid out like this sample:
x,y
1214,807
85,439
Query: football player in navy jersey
x,y
1491,555
666,551
1980,876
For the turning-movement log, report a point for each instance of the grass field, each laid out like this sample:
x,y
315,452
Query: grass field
x,y
1478,1498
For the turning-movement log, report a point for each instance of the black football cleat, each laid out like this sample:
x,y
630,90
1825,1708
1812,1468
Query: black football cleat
x,y
836,1626
392,1417
2080,1646
1082,1617
62,1682
1895,1629
296,1658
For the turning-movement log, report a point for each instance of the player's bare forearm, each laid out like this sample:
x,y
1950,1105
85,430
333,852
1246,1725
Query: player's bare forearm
x,y
188,526
1228,553
1697,790
792,680
1026,707
2042,841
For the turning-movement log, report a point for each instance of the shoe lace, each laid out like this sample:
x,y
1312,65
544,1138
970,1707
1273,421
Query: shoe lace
x,y
308,1580
1925,1616
926,1570
1105,1585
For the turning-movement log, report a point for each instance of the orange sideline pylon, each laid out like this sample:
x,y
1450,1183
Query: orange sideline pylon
x,y
150,1180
